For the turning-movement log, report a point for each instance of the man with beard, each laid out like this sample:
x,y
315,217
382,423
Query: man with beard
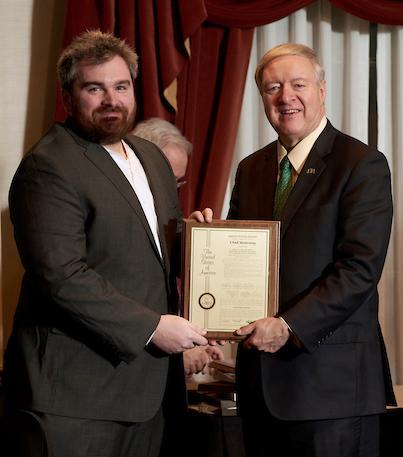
x,y
96,217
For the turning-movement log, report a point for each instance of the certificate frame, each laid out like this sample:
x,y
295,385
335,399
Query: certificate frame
x,y
230,274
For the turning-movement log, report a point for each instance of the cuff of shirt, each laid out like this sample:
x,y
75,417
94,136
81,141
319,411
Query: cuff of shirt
x,y
293,337
151,337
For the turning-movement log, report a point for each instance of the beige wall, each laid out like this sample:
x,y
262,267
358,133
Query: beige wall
x,y
31,33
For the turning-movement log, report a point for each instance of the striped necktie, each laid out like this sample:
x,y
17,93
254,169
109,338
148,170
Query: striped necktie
x,y
284,187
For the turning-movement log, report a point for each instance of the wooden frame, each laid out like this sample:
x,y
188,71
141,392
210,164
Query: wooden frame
x,y
230,273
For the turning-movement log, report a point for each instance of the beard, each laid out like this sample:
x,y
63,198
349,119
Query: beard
x,y
107,124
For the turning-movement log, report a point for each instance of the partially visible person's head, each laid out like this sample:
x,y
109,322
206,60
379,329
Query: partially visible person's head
x,y
170,140
292,84
97,72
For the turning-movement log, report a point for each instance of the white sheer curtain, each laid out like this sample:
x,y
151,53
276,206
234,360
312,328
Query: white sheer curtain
x,y
342,45
390,141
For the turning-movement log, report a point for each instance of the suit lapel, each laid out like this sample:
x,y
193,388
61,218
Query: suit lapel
x,y
104,162
310,173
268,178
157,190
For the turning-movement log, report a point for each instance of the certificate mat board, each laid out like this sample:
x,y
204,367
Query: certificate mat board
x,y
230,274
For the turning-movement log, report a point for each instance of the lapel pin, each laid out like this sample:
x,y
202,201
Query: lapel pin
x,y
311,171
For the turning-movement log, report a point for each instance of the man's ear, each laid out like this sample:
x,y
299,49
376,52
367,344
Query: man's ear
x,y
66,97
323,91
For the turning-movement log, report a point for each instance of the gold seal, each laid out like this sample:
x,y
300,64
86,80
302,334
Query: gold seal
x,y
206,300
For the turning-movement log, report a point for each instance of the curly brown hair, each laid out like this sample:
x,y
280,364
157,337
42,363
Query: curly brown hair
x,y
94,47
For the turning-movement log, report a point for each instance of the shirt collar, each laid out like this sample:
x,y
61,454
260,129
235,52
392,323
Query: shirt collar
x,y
299,153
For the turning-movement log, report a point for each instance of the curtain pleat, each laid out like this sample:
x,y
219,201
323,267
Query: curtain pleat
x,y
192,66
211,92
378,11
251,13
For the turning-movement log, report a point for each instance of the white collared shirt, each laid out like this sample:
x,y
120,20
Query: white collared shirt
x,y
134,172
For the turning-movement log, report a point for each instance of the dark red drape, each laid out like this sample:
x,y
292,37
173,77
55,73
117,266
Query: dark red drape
x,y
160,34
210,99
154,28
203,46
80,16
378,11
210,71
251,13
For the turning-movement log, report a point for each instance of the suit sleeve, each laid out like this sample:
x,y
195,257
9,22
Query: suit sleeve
x,y
363,224
233,212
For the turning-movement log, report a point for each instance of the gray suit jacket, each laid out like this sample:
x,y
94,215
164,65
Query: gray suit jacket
x,y
95,285
335,230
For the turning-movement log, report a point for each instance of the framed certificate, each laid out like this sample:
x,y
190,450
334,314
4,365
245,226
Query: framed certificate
x,y
230,274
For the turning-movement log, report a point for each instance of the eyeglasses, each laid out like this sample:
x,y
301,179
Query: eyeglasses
x,y
180,183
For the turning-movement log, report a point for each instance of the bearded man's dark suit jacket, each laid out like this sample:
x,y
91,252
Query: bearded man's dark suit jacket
x,y
335,230
95,285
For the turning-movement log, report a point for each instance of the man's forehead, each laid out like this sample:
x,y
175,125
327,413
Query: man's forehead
x,y
290,75
290,61
114,63
111,71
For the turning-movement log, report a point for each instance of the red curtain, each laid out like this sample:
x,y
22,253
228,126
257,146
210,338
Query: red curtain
x,y
251,13
203,46
378,11
155,29
210,99
209,71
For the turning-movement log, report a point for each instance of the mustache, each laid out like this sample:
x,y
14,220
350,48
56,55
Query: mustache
x,y
110,109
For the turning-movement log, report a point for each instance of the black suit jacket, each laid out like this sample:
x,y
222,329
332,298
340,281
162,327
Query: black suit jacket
x,y
95,285
335,230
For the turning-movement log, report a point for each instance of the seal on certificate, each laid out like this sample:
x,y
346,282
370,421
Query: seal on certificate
x,y
206,300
